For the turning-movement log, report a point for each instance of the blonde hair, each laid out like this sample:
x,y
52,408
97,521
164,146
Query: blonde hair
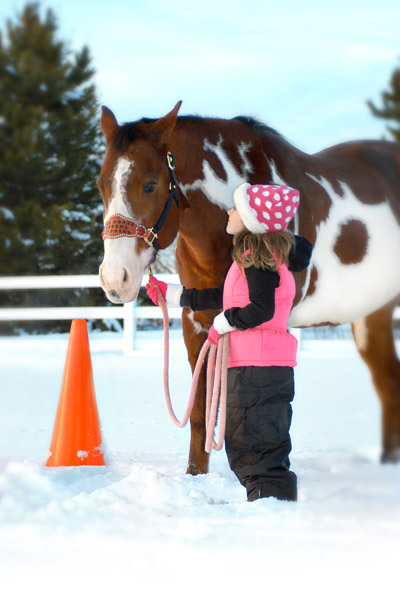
x,y
266,251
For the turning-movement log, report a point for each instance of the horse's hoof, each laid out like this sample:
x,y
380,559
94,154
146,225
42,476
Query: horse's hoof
x,y
194,469
392,457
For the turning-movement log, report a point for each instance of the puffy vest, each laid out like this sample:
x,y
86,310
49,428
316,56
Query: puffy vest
x,y
270,343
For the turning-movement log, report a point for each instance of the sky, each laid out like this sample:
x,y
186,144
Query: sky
x,y
305,68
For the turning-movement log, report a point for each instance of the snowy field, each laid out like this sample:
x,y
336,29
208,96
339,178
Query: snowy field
x,y
139,528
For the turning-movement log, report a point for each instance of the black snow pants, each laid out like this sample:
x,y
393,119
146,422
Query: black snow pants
x,y
257,439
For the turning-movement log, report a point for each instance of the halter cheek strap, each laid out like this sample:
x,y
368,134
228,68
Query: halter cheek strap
x,y
118,225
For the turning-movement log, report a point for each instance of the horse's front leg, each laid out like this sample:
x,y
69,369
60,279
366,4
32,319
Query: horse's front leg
x,y
375,342
195,328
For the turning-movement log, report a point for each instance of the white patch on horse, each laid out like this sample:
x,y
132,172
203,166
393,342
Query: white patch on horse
x,y
247,167
275,175
119,199
198,328
347,292
218,191
278,179
296,222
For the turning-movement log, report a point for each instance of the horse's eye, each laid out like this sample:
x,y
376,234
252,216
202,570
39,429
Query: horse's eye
x,y
150,187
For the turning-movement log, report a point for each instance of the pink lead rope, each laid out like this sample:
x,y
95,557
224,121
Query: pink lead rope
x,y
217,363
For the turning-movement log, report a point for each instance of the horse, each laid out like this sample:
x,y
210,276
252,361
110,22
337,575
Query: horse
x,y
349,210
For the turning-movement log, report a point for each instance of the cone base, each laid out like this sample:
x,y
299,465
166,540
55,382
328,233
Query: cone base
x,y
81,459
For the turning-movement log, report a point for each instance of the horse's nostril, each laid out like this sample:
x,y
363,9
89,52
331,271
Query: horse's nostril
x,y
125,276
114,293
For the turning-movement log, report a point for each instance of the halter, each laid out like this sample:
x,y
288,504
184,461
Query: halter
x,y
118,225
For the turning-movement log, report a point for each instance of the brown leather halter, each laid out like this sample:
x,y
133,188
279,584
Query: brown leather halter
x,y
118,225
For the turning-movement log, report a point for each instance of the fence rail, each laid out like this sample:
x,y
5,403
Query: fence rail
x,y
128,312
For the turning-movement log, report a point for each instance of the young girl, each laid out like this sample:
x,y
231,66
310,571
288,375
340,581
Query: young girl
x,y
257,298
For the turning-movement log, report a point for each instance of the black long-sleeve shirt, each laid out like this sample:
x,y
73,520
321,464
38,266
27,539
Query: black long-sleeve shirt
x,y
262,284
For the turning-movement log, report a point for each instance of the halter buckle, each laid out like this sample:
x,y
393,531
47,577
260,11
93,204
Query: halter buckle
x,y
150,241
171,161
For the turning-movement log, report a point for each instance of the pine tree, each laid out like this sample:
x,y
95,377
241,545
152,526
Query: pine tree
x,y
50,149
390,109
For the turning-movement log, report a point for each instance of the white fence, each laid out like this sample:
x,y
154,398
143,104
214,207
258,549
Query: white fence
x,y
128,312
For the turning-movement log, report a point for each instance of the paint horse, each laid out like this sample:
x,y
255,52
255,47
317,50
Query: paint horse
x,y
349,210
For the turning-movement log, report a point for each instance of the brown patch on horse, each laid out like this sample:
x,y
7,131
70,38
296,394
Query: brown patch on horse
x,y
317,198
382,160
216,165
313,281
345,249
379,163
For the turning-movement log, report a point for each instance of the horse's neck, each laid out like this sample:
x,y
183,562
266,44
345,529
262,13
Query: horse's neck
x,y
203,245
211,161
286,162
216,155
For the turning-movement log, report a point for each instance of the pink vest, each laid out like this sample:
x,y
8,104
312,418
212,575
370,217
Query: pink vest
x,y
269,344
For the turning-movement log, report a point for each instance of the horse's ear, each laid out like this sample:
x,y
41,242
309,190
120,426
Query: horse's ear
x,y
108,123
166,124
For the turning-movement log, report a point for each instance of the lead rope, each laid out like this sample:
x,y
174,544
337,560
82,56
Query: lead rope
x,y
217,364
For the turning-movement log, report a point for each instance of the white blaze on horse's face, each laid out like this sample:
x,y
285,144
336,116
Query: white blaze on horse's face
x,y
119,198
123,265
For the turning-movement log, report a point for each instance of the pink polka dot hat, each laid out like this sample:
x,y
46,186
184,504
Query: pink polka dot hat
x,y
266,208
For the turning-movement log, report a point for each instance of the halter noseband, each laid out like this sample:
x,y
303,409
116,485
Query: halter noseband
x,y
118,225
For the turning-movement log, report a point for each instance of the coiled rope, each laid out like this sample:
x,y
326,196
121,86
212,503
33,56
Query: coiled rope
x,y
217,363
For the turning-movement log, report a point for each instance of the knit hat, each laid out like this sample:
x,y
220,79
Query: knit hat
x,y
266,208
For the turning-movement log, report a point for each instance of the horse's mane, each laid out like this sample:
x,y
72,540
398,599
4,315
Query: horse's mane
x,y
129,132
258,126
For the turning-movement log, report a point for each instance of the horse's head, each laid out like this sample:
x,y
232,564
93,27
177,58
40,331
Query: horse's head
x,y
135,183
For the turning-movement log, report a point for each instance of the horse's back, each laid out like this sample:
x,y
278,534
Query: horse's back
x,y
370,158
378,146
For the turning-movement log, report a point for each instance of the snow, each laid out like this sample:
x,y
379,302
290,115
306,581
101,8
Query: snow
x,y
140,528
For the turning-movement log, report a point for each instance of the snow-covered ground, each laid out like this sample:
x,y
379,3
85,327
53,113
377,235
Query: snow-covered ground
x,y
141,529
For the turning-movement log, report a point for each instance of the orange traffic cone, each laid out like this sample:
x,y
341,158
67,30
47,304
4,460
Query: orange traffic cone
x,y
76,437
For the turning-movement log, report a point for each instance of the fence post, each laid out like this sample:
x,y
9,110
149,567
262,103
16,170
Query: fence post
x,y
129,326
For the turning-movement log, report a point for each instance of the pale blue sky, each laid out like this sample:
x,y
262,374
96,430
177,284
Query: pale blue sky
x,y
304,67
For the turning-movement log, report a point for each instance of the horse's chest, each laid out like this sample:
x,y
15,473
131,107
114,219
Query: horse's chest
x,y
355,264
